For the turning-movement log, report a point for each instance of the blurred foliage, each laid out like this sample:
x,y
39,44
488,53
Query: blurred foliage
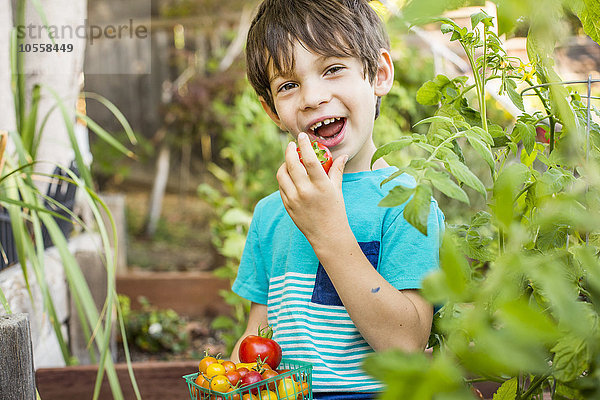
x,y
520,277
153,330
109,167
253,149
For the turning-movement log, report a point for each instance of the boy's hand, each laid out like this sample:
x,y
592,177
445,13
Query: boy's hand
x,y
312,198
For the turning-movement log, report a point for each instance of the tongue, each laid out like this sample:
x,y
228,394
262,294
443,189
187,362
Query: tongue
x,y
330,129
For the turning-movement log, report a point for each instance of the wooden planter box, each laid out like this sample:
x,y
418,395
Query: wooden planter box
x,y
156,380
192,294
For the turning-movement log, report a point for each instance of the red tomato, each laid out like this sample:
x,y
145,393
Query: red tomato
x,y
229,365
267,374
323,155
233,376
251,378
242,371
261,345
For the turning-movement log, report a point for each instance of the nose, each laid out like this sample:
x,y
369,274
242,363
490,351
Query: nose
x,y
314,94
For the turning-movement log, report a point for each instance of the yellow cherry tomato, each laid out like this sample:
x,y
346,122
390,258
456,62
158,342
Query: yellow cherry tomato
x,y
286,388
215,369
220,383
205,362
267,395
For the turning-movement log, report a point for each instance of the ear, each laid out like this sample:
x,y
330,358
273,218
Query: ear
x,y
384,79
270,112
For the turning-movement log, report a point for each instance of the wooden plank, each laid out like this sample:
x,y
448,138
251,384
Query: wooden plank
x,y
156,380
191,294
17,379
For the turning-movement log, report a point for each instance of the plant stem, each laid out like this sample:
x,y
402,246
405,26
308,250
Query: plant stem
x,y
551,119
535,384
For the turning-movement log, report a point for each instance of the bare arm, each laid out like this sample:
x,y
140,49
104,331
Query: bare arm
x,y
256,318
385,316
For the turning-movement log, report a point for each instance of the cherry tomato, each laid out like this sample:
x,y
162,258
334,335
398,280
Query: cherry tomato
x,y
215,369
220,383
235,396
229,365
242,371
249,396
323,155
302,389
267,374
251,378
233,376
261,345
287,389
205,362
268,395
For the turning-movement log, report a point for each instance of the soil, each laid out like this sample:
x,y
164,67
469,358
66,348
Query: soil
x,y
202,339
182,242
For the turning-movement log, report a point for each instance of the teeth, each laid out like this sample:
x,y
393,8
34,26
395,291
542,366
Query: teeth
x,y
324,122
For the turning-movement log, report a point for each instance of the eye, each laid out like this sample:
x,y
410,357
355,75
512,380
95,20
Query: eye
x,y
286,86
333,70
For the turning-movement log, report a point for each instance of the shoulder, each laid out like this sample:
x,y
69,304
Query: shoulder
x,y
269,210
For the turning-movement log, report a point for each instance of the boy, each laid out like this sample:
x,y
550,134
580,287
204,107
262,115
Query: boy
x,y
335,275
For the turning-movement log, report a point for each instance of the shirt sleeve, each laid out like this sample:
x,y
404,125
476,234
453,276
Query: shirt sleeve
x,y
252,282
407,255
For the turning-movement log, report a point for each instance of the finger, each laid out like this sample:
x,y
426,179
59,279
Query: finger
x,y
295,170
286,185
309,158
336,172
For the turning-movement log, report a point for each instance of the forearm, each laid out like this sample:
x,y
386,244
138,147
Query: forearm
x,y
256,318
385,316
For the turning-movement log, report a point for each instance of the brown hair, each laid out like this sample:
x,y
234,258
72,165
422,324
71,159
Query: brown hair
x,y
337,28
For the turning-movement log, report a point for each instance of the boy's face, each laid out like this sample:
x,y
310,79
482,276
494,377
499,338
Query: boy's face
x,y
332,100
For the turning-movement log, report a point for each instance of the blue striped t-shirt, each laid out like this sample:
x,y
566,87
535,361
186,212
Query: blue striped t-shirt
x,y
280,269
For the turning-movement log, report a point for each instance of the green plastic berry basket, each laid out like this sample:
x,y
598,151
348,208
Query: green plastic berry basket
x,y
299,371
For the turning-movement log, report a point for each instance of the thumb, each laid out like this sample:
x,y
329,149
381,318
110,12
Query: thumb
x,y
337,169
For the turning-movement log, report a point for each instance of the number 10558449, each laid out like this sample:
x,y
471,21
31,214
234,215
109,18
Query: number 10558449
x,y
45,48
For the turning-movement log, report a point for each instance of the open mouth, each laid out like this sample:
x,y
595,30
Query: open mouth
x,y
328,128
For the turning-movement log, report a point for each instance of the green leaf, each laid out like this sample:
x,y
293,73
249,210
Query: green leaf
x,y
513,95
236,216
482,149
390,147
526,133
417,210
590,19
571,358
429,94
442,182
397,196
508,390
509,181
463,174
435,118
481,16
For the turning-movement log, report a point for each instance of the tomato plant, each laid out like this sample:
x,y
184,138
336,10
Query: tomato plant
x,y
323,155
519,277
261,346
